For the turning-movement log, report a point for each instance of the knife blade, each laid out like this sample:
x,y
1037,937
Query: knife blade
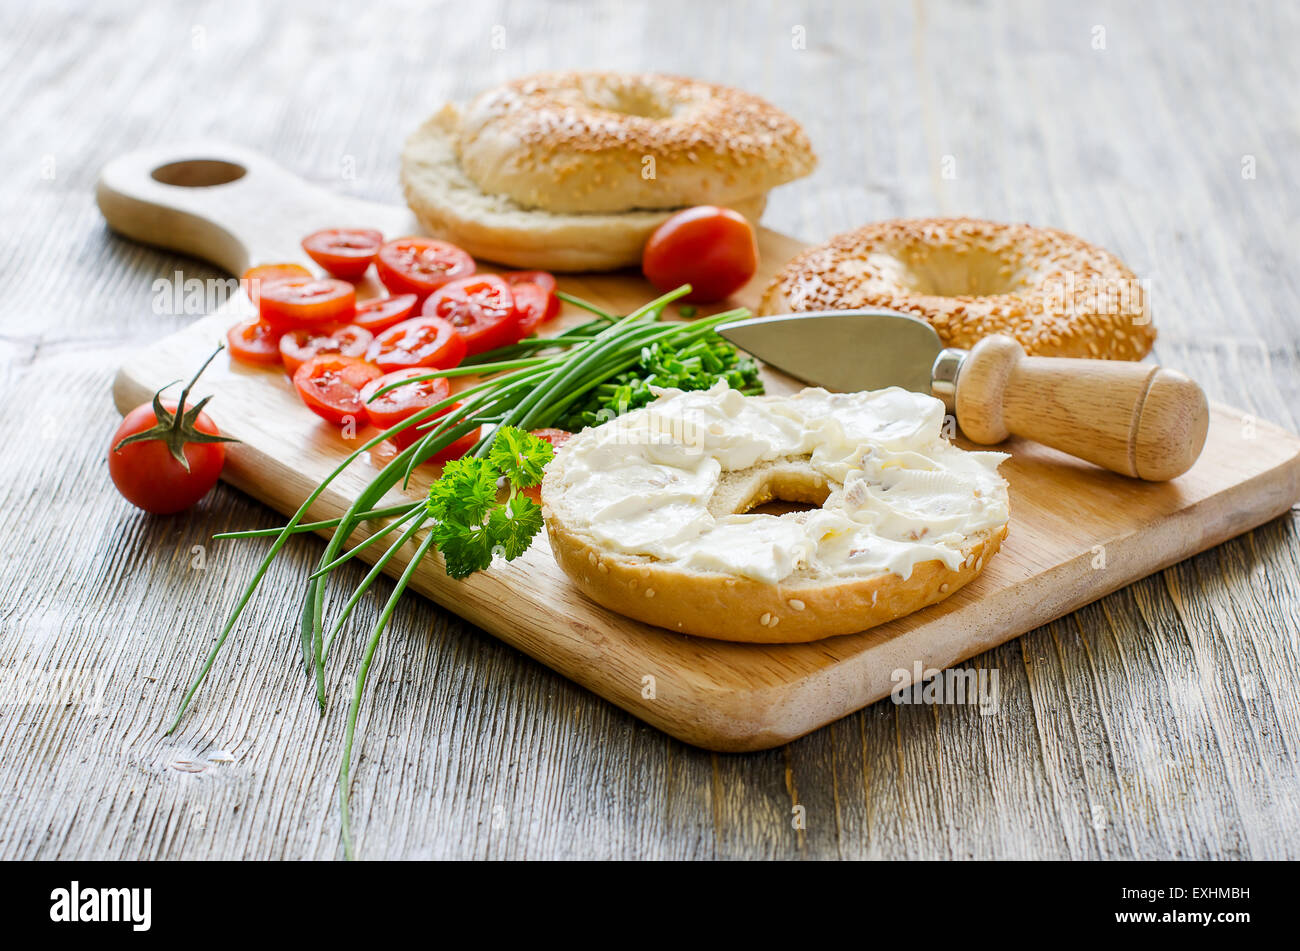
x,y
843,350
1133,418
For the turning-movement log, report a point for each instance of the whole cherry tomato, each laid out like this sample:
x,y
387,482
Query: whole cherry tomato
x,y
712,249
164,463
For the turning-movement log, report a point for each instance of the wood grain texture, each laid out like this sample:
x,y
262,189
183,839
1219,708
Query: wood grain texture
x,y
1161,721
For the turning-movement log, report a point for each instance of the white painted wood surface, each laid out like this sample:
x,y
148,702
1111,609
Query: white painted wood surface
x,y
1162,721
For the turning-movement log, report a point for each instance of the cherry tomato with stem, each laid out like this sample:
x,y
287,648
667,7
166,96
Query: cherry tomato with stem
x,y
712,249
421,265
331,385
418,342
345,252
164,459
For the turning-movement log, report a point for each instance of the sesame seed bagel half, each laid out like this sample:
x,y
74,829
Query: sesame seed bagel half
x,y
731,575
450,205
581,141
1054,292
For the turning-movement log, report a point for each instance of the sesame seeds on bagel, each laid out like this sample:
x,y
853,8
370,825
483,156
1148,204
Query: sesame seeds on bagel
x,y
1057,294
611,142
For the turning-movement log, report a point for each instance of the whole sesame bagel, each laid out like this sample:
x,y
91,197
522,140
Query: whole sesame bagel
x,y
575,142
650,514
451,206
1054,292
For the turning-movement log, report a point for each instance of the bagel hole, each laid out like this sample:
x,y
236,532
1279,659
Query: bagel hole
x,y
783,493
976,272
626,100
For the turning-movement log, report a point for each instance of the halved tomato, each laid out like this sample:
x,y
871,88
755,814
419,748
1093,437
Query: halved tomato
x,y
421,265
543,279
418,342
556,437
331,386
404,402
382,312
307,302
257,277
481,308
254,342
532,302
453,451
344,252
300,345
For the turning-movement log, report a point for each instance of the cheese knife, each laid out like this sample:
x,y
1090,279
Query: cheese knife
x,y
1137,419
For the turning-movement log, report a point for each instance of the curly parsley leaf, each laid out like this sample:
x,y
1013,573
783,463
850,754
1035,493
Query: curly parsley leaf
x,y
471,525
520,456
513,525
466,548
466,491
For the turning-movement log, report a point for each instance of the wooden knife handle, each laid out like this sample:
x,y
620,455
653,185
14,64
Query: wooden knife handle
x,y
1136,419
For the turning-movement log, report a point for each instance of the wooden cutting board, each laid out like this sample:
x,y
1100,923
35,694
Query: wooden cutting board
x,y
1077,532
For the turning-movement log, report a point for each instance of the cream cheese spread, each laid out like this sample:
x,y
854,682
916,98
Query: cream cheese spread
x,y
901,494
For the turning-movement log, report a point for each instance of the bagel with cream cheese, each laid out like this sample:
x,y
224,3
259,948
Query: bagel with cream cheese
x,y
574,170
1055,293
649,513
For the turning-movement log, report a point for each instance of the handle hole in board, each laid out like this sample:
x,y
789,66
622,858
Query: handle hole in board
x,y
198,173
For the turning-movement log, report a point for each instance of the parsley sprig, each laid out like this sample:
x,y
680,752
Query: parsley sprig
x,y
471,526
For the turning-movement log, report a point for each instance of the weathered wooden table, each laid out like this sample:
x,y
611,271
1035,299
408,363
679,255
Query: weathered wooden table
x,y
1163,721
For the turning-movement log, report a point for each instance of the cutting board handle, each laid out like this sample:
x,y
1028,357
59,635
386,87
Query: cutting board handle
x,y
1137,419
228,205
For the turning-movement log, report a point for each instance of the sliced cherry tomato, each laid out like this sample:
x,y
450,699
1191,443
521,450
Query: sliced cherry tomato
x,y
418,342
532,302
396,405
543,279
299,346
481,308
712,249
405,401
254,342
382,312
455,450
344,252
421,265
256,277
307,302
556,437
331,385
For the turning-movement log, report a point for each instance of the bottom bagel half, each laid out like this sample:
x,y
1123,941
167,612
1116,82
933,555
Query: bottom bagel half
x,y
803,607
